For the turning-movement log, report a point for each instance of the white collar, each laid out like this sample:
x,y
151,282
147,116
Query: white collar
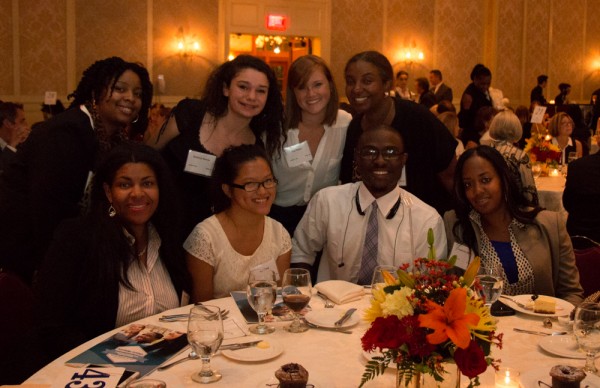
x,y
85,110
384,203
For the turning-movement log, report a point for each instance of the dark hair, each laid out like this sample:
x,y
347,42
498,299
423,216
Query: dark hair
x,y
102,76
380,127
436,73
8,111
423,83
377,59
480,71
401,72
542,78
563,87
515,201
522,113
445,106
270,120
484,115
227,168
111,252
298,74
53,109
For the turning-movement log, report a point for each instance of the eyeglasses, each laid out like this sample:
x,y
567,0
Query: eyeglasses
x,y
371,153
253,186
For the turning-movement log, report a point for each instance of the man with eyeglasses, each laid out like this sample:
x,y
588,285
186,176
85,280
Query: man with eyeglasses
x,y
339,219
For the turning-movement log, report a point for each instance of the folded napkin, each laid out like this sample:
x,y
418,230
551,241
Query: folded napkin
x,y
340,291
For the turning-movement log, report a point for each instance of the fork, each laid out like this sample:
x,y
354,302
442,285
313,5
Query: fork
x,y
521,305
184,317
328,304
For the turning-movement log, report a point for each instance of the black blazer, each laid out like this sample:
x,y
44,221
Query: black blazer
x,y
581,195
443,93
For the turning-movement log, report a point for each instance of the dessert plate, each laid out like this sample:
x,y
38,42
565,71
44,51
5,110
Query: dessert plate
x,y
327,318
261,382
562,306
532,379
562,345
255,353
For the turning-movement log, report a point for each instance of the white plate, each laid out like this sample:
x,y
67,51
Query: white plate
x,y
562,306
530,379
255,353
327,317
562,345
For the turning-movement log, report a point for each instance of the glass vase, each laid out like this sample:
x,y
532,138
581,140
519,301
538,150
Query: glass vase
x,y
425,380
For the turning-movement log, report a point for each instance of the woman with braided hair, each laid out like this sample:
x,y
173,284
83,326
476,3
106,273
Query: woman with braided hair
x,y
49,179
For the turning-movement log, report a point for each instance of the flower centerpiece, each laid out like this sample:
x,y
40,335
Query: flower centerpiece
x,y
540,149
427,318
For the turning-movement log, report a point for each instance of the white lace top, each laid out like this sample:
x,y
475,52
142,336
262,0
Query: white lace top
x,y
209,243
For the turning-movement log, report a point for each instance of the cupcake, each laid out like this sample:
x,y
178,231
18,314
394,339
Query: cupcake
x,y
292,376
564,376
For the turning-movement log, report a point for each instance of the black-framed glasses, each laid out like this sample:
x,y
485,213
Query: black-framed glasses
x,y
372,153
253,186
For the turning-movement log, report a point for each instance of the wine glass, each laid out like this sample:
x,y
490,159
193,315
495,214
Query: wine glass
x,y
261,293
536,169
378,281
296,290
586,328
205,334
491,282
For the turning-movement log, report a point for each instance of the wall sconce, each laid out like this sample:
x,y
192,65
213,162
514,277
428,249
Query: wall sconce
x,y
187,46
412,54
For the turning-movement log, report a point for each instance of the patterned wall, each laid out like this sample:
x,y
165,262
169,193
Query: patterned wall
x,y
6,47
509,50
591,76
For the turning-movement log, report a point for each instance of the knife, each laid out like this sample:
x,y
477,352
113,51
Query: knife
x,y
240,346
345,317
539,332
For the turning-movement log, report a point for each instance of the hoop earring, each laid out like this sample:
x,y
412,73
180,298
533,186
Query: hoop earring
x,y
136,119
111,211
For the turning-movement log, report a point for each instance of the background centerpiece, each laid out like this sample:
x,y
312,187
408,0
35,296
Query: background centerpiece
x,y
428,318
542,151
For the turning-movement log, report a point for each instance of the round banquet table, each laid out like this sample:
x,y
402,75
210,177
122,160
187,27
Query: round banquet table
x,y
550,192
332,359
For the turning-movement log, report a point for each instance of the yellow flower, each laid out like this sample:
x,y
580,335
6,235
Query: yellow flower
x,y
375,311
398,303
486,322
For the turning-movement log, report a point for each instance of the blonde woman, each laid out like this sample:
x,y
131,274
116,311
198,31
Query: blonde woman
x,y
561,128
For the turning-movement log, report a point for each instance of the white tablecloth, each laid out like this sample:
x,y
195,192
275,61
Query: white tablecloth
x,y
333,359
550,192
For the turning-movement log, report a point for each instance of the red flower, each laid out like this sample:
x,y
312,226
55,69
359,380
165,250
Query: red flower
x,y
471,361
383,334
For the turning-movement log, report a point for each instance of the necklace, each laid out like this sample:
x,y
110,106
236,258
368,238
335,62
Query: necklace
x,y
143,252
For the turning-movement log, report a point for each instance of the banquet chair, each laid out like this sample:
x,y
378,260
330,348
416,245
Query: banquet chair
x,y
587,258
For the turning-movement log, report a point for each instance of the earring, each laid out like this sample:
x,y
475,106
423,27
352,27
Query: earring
x,y
111,211
136,119
387,94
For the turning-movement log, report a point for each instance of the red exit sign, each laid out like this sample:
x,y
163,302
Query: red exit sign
x,y
277,22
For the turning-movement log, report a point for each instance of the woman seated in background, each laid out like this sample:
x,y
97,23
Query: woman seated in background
x,y
492,219
450,120
222,249
483,119
241,104
316,128
505,131
157,116
120,263
561,128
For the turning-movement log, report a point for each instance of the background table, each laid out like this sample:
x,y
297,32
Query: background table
x,y
333,359
550,192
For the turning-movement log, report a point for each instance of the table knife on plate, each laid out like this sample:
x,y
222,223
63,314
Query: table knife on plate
x,y
345,317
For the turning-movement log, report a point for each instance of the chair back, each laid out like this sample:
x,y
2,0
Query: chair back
x,y
587,257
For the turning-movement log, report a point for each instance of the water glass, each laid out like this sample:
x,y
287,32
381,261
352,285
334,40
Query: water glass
x,y
491,281
378,281
571,157
536,169
261,293
296,290
586,328
205,334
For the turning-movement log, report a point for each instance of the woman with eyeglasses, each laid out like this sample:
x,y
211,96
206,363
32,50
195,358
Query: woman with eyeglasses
x,y
561,128
222,249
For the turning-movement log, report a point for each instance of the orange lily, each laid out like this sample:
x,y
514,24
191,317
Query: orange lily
x,y
450,320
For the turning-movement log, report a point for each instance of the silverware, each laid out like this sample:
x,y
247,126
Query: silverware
x,y
240,346
539,332
184,317
521,305
334,329
192,356
344,317
328,304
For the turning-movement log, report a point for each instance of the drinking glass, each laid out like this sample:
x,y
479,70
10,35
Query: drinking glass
x,y
261,293
536,169
205,334
378,281
491,282
296,290
571,157
586,328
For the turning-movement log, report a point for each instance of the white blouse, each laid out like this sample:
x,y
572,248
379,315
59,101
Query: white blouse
x,y
298,184
209,243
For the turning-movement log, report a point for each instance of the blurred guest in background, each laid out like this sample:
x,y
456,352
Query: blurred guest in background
x,y
479,134
537,93
316,129
50,178
121,262
439,89
50,111
562,97
402,89
522,113
222,249
492,220
424,96
241,104
14,130
561,128
581,131
450,120
475,96
157,116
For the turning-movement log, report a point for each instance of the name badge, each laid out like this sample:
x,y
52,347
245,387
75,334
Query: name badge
x,y
200,163
463,255
297,154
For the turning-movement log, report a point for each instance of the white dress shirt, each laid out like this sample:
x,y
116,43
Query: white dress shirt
x,y
333,224
298,184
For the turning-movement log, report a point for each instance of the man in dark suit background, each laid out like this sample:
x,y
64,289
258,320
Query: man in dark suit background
x,y
13,131
581,197
439,89
537,93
